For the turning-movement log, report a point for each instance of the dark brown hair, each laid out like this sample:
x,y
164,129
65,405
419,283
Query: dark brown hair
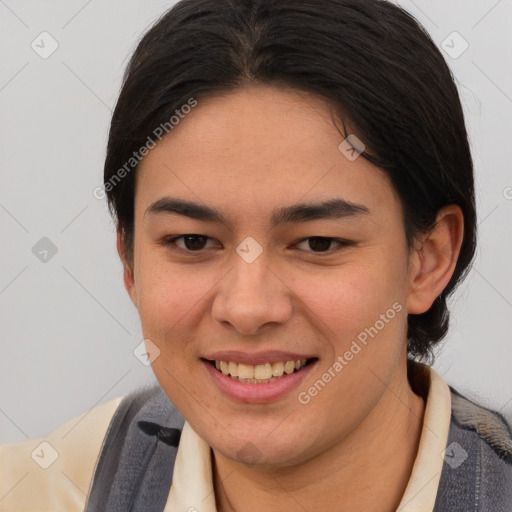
x,y
370,59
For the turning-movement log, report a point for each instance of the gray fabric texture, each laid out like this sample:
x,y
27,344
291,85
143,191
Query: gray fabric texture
x,y
482,482
134,471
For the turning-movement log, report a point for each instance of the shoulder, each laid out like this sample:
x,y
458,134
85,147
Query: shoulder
x,y
55,472
489,426
477,472
138,453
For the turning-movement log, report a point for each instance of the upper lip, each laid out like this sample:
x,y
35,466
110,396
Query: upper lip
x,y
269,356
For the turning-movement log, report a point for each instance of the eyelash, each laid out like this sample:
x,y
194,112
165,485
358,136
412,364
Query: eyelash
x,y
170,241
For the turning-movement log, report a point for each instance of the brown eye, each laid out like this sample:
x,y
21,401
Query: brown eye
x,y
319,244
187,243
322,244
194,242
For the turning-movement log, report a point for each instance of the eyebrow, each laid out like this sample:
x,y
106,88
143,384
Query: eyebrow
x,y
330,209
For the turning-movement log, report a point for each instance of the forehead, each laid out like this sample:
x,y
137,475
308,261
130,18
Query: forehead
x,y
256,149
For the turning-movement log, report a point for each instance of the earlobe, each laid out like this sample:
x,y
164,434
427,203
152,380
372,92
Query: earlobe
x,y
434,258
128,277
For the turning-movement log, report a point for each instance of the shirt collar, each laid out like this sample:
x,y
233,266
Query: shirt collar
x,y
192,487
421,491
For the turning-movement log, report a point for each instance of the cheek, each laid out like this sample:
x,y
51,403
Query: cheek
x,y
167,293
352,297
170,302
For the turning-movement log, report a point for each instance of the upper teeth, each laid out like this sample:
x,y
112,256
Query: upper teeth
x,y
259,371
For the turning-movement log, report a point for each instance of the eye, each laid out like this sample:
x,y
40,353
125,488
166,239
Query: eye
x,y
189,242
197,243
321,244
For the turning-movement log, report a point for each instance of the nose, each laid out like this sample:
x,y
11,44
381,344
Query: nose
x,y
251,297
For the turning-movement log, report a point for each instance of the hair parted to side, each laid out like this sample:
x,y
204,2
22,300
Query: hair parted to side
x,y
370,59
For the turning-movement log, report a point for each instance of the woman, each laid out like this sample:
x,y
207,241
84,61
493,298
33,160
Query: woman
x,y
293,189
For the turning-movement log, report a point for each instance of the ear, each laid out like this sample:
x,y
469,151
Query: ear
x,y
433,260
128,275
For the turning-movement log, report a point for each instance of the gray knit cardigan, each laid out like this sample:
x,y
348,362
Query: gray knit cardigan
x,y
132,473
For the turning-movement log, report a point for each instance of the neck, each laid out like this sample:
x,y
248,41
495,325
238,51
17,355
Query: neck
x,y
369,469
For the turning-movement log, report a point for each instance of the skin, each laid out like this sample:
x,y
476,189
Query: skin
x,y
246,153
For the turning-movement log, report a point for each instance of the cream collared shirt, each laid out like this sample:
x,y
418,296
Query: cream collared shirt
x,y
55,473
192,487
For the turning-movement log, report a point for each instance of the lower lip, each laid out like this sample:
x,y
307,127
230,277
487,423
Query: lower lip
x,y
258,393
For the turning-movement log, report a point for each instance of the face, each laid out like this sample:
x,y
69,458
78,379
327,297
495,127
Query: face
x,y
262,279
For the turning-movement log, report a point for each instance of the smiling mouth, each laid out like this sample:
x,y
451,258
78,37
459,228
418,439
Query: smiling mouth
x,y
260,373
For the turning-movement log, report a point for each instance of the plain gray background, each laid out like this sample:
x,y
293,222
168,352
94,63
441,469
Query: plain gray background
x,y
67,327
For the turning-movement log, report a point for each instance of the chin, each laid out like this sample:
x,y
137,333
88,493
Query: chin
x,y
263,451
